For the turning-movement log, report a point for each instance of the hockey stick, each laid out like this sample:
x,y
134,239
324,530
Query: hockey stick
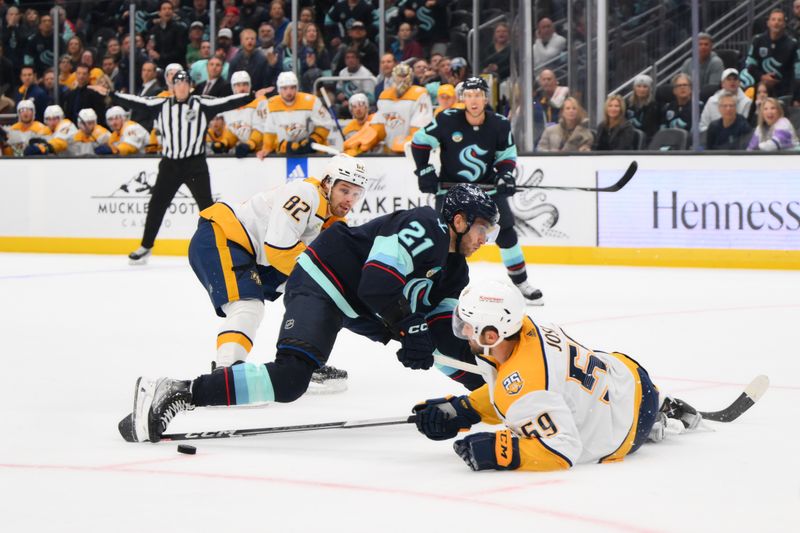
x,y
329,105
628,176
752,393
325,148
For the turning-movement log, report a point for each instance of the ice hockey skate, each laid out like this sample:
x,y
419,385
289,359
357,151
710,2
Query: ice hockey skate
x,y
328,380
139,256
155,404
532,296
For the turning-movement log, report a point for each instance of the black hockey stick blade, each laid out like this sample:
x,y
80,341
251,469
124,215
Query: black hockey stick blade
x,y
230,433
752,393
619,184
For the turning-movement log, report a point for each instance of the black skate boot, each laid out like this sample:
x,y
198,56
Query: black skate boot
x,y
156,403
532,296
328,380
139,256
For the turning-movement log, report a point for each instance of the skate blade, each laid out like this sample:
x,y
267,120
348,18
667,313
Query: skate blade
x,y
331,386
534,303
137,262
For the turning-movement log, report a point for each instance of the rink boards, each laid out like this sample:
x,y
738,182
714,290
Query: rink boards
x,y
737,211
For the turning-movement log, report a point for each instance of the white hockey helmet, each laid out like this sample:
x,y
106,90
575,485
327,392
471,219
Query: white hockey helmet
x,y
240,76
286,79
172,67
53,111
26,104
488,304
343,167
359,98
115,111
87,115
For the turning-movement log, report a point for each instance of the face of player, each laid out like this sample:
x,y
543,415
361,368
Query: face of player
x,y
359,111
181,90
446,101
241,88
52,122
115,123
478,234
87,127
475,102
218,125
770,112
613,109
343,196
26,116
288,93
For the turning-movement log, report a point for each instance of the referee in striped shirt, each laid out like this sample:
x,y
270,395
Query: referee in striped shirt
x,y
182,120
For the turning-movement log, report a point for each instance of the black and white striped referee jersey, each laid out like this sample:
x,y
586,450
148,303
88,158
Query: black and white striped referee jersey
x,y
183,125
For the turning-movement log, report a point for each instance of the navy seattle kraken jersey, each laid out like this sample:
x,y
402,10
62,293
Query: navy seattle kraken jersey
x,y
398,260
469,154
781,58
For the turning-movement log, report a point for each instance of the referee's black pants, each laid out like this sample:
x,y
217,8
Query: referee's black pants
x,y
172,173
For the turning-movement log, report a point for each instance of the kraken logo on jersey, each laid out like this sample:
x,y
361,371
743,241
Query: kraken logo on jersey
x,y
513,383
425,17
469,158
772,66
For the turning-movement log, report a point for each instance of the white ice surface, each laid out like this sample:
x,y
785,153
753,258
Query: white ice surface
x,y
78,330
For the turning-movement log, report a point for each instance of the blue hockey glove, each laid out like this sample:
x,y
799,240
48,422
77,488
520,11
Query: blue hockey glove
x,y
427,179
242,150
489,451
104,149
506,184
417,346
38,146
443,418
219,147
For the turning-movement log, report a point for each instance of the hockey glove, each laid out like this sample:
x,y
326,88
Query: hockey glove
x,y
506,184
427,179
485,451
242,150
443,418
417,346
219,147
104,149
298,148
38,146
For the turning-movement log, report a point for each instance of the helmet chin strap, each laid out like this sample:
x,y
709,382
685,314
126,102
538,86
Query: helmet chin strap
x,y
460,235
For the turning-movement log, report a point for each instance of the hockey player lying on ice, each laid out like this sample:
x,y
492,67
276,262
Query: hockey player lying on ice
x,y
562,404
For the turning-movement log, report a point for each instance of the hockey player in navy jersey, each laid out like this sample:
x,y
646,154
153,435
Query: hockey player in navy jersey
x,y
476,147
394,278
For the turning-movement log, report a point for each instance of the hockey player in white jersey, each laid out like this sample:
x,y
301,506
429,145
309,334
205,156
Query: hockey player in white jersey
x,y
562,404
248,122
89,136
243,254
63,129
402,110
295,120
127,137
26,128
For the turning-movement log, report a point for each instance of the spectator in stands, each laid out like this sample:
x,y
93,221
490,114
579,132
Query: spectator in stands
x,y
124,64
250,59
571,134
761,94
548,45
794,24
266,37
88,59
110,69
169,37
66,72
215,84
678,112
225,43
496,57
252,15
306,16
81,97
547,102
150,85
199,72
347,88
314,58
75,49
127,137
196,31
731,131
422,72
39,50
367,51
219,139
113,49
342,15
459,70
615,132
6,83
388,62
26,128
30,90
641,108
711,65
772,57
404,46
774,131
430,19
277,18
13,39
30,23
198,12
49,86
730,85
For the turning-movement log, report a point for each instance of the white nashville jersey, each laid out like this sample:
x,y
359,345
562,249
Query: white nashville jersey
x,y
400,114
243,120
296,122
64,132
568,402
133,135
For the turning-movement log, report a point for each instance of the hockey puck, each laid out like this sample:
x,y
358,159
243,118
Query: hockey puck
x,y
185,448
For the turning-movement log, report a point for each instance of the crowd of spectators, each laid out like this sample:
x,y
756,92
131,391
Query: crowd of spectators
x,y
338,38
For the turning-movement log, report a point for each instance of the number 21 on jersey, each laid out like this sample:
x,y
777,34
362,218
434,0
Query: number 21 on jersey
x,y
414,234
